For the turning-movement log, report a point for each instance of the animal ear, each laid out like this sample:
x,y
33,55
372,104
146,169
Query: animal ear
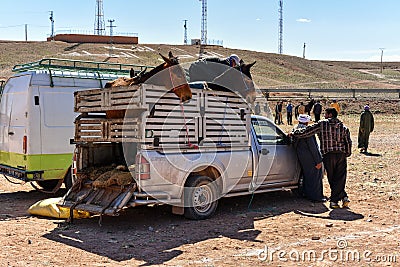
x,y
241,62
170,55
167,60
252,64
132,73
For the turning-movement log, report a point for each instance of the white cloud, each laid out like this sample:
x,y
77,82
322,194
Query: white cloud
x,y
304,20
258,19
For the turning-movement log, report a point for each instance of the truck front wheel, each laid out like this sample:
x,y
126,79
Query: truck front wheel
x,y
200,196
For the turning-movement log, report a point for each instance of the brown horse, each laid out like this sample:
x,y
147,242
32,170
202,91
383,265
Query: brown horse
x,y
169,74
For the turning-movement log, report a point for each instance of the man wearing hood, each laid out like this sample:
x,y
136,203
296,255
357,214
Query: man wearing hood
x,y
311,162
366,128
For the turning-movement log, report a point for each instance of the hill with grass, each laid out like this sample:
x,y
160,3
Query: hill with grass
x,y
270,71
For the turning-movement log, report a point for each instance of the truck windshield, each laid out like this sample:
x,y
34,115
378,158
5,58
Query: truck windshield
x,y
266,132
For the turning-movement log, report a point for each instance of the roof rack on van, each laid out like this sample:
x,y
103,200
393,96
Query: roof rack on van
x,y
80,66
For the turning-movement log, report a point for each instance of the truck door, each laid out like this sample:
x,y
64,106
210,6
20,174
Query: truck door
x,y
276,160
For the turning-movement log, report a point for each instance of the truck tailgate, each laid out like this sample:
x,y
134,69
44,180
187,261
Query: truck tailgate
x,y
109,200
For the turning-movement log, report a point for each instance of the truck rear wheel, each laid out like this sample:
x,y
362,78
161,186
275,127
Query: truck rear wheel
x,y
48,185
200,196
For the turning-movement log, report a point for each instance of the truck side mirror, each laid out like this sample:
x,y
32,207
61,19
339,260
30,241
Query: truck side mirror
x,y
242,114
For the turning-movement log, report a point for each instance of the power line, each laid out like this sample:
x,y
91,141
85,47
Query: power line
x,y
12,26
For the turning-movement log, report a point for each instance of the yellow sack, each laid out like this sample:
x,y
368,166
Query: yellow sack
x,y
48,208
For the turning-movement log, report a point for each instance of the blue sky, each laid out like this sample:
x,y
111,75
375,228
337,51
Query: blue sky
x,y
331,29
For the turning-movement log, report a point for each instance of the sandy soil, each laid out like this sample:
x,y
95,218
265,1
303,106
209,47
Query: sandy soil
x,y
276,229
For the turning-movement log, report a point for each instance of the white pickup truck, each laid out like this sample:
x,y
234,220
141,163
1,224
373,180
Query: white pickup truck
x,y
187,155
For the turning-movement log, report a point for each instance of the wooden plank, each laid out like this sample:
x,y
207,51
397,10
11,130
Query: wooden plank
x,y
91,134
89,127
128,94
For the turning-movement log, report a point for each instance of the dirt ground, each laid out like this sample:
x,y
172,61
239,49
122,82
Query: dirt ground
x,y
276,229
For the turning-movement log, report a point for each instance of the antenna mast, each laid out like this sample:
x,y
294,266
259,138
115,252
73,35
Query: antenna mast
x,y
203,42
280,49
185,40
204,22
99,25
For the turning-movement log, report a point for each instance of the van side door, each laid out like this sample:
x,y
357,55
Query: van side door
x,y
13,117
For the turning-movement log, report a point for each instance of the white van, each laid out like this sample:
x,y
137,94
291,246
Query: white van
x,y
37,117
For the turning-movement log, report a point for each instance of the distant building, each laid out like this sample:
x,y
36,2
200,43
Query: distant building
x,y
96,39
195,41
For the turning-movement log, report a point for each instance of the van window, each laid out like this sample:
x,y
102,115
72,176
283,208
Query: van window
x,y
58,109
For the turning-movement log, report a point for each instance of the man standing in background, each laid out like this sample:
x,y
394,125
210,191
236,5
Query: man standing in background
x,y
317,110
366,127
289,113
335,105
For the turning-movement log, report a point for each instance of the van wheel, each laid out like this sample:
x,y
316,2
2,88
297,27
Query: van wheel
x,y
200,198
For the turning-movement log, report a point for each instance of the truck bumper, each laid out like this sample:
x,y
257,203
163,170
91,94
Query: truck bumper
x,y
21,174
152,198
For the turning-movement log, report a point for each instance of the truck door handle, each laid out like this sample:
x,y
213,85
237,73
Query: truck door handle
x,y
10,133
264,151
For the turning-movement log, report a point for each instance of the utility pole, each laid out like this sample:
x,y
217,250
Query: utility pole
x,y
111,21
185,40
26,32
52,25
381,59
304,50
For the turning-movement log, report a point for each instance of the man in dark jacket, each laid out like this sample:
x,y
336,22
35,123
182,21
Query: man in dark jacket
x,y
289,113
335,144
317,110
366,128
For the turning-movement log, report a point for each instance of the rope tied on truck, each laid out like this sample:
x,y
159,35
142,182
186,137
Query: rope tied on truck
x,y
174,88
190,145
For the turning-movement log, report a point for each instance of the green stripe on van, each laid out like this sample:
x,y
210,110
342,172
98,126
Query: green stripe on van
x,y
54,165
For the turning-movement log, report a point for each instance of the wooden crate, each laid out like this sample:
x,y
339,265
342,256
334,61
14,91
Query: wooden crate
x,y
101,100
94,129
156,117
